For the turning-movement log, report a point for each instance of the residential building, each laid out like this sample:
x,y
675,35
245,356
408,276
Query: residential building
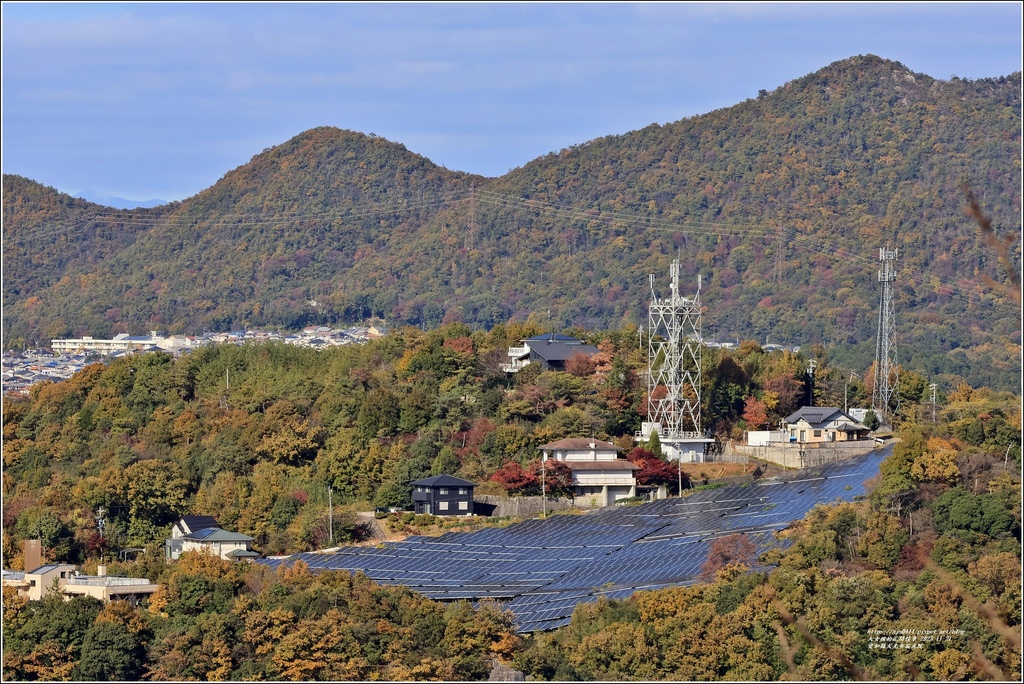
x,y
123,342
38,582
598,474
202,533
443,495
551,351
64,578
189,524
814,424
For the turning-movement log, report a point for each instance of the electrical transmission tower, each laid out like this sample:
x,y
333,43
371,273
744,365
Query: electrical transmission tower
x,y
673,363
885,399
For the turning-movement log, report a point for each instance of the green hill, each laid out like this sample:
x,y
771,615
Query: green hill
x,y
779,202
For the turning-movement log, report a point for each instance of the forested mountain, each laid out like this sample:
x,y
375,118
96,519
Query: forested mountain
x,y
779,202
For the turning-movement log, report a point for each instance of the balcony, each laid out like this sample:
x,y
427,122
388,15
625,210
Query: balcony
x,y
515,366
88,581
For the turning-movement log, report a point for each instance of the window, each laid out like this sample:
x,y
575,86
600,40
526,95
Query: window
x,y
462,490
463,505
803,435
817,433
443,490
442,505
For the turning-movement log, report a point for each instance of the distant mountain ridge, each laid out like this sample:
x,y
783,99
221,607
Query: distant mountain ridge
x,y
118,202
780,203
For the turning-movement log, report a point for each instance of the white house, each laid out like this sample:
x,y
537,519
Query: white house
x,y
189,524
598,473
202,533
813,424
64,579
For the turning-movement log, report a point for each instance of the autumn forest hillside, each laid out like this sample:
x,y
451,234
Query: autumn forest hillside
x,y
258,435
780,203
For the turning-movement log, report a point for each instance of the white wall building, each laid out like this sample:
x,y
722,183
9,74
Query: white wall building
x,y
598,473
63,578
122,342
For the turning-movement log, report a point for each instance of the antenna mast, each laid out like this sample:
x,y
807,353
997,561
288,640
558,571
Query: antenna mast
x,y
885,399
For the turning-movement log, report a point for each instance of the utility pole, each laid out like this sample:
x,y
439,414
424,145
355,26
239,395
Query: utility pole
x,y
811,365
543,486
846,390
330,514
933,387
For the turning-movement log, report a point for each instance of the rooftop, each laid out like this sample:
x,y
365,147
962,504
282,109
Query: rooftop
x,y
50,567
617,464
199,522
578,443
444,481
215,534
560,351
815,414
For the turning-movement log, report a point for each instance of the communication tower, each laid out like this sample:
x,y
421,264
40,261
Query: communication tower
x,y
885,399
674,371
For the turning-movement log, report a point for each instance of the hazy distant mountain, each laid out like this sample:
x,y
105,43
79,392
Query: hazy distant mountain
x,y
780,203
118,202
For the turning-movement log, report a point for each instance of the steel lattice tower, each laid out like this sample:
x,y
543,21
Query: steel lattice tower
x,y
884,397
673,362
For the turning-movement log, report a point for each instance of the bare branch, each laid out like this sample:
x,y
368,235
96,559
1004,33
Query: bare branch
x,y
1001,246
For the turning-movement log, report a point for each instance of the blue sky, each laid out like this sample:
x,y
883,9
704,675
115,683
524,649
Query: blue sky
x,y
161,100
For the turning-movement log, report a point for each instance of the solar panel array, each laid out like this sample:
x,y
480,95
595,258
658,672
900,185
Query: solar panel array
x,y
541,569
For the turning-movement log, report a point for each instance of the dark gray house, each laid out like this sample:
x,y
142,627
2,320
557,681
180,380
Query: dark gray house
x,y
443,495
551,351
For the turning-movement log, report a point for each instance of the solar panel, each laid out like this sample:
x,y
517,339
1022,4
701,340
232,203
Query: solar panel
x,y
545,568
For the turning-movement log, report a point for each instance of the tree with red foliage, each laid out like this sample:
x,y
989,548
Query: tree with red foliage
x,y
580,365
517,480
557,478
461,345
734,549
755,412
654,471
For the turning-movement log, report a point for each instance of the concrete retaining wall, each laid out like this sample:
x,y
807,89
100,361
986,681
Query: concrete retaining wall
x,y
791,455
523,506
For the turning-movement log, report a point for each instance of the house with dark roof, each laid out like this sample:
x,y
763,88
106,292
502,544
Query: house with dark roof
x,y
551,351
192,523
598,474
443,495
814,424
202,533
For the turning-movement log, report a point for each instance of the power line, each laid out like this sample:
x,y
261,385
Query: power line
x,y
806,242
475,195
